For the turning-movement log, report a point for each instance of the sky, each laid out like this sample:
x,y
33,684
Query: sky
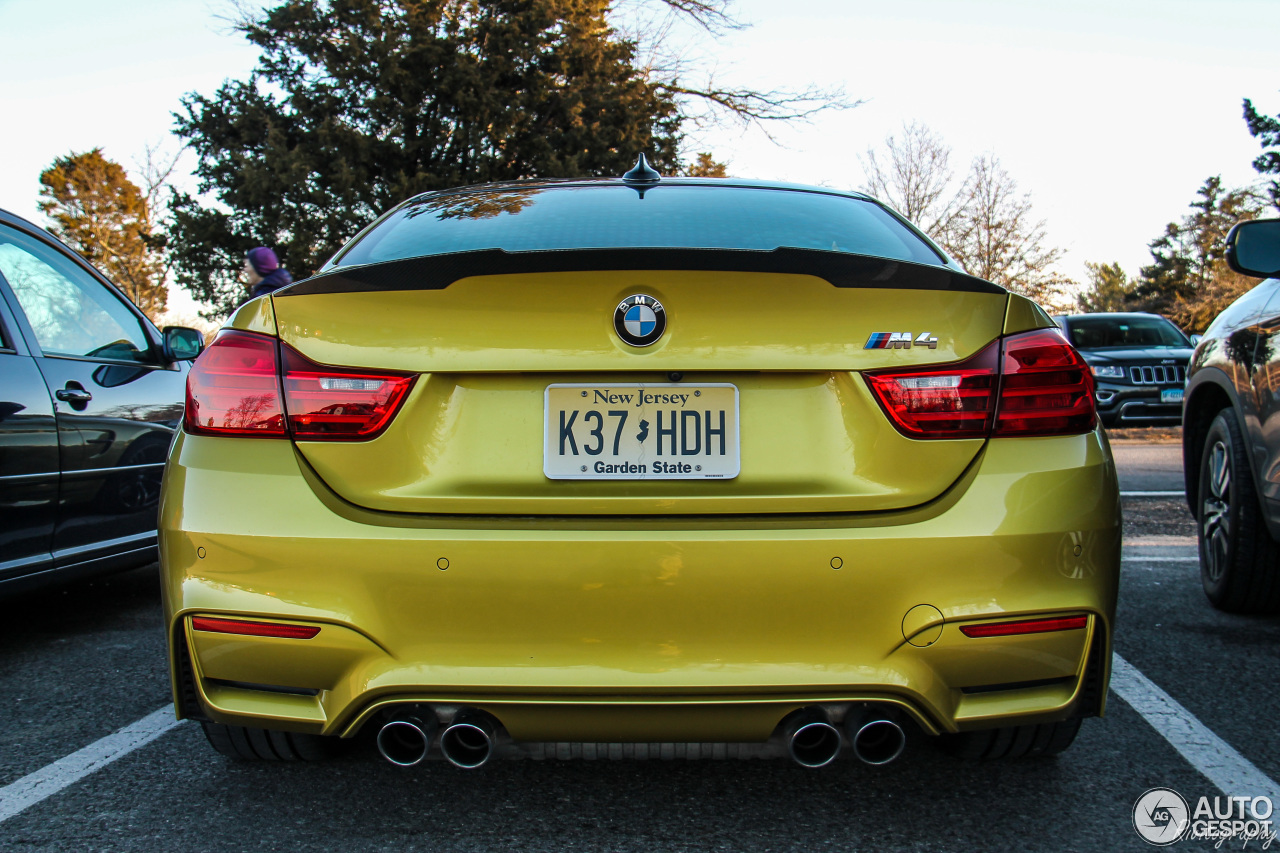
x,y
1109,114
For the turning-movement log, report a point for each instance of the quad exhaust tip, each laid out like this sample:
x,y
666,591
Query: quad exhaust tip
x,y
405,739
469,741
812,741
876,739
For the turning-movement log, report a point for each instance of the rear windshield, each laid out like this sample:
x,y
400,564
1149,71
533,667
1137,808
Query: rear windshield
x,y
1104,332
612,217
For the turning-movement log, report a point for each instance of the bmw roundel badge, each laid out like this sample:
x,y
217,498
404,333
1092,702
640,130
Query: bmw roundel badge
x,y
640,320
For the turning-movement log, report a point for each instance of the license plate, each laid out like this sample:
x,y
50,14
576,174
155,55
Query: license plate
x,y
670,431
1171,395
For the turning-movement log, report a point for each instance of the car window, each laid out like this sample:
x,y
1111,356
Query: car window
x,y
1103,332
71,313
607,217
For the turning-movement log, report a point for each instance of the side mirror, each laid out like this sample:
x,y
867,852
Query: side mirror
x,y
1196,339
181,343
1253,248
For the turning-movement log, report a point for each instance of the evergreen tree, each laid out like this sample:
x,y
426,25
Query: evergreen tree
x,y
706,166
1188,278
1266,129
94,208
1109,285
356,105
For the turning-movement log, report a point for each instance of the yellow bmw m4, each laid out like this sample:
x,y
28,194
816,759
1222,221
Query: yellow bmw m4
x,y
640,467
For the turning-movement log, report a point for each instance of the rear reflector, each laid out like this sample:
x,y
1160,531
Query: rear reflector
x,y
1033,383
253,629
1025,626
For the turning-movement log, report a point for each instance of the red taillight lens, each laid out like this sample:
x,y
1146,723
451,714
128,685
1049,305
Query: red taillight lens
x,y
253,629
1047,387
338,403
1033,383
233,388
1025,626
954,401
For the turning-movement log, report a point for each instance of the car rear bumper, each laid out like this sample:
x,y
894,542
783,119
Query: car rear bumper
x,y
640,628
1120,405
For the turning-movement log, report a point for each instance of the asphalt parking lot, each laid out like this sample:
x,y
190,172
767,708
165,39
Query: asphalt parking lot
x,y
79,664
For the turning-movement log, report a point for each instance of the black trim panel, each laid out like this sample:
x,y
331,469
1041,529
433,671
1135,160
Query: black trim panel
x,y
1017,685
436,272
110,548
265,688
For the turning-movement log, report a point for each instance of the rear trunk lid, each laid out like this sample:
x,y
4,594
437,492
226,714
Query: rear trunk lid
x,y
779,357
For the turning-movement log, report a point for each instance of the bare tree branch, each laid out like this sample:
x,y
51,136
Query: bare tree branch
x,y
913,175
156,168
748,107
670,61
984,222
711,15
996,236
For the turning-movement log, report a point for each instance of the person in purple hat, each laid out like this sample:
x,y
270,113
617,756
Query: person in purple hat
x,y
262,272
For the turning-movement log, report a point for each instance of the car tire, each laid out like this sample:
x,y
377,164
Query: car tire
x,y
243,743
1035,741
1238,558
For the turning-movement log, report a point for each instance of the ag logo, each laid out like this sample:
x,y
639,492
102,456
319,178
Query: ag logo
x,y
1161,816
640,320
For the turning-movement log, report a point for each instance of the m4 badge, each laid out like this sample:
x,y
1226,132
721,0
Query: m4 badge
x,y
900,340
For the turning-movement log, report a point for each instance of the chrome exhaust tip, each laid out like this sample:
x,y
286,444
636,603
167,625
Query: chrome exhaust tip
x,y
876,739
812,741
469,741
405,739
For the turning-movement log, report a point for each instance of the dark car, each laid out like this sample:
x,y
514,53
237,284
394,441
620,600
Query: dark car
x,y
90,396
1139,362
1231,434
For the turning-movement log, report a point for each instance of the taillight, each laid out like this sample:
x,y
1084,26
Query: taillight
x,y
237,388
234,388
337,403
1047,387
956,401
1033,383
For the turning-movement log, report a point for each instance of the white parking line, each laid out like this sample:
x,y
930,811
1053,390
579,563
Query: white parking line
x,y
52,778
1177,494
1230,771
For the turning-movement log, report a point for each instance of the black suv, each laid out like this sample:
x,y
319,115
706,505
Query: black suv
x,y
1231,434
1139,362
